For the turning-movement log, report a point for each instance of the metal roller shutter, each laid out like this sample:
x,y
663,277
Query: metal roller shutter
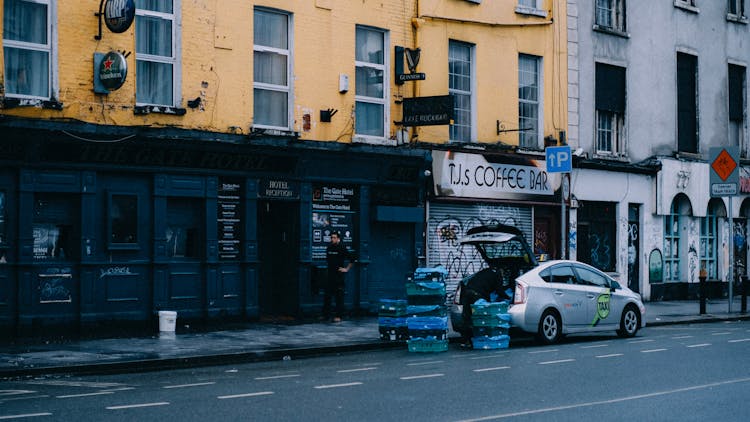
x,y
448,223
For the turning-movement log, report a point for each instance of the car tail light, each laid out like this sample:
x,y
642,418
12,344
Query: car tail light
x,y
457,295
520,294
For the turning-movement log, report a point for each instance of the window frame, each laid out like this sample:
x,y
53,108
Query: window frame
x,y
112,245
3,217
738,127
175,60
49,48
708,243
736,11
672,258
616,14
689,106
537,104
383,102
533,10
288,89
617,127
471,94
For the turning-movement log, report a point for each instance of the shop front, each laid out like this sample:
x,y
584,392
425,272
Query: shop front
x,y
109,233
472,189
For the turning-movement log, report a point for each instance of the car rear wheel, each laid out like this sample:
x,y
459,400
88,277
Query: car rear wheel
x,y
629,322
550,327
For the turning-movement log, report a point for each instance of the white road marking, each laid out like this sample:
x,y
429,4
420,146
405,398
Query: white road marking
x,y
543,351
356,370
492,369
133,406
119,389
723,333
594,346
739,340
15,392
40,396
416,377
348,384
197,384
612,355
700,345
74,383
640,341
237,396
653,350
274,377
552,362
681,337
425,363
611,401
27,415
489,356
98,393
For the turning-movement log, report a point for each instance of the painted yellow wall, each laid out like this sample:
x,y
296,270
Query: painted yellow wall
x,y
217,66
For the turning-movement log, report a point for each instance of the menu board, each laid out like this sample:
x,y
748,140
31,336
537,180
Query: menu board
x,y
229,219
333,208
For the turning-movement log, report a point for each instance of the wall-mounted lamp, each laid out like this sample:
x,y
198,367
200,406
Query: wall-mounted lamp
x,y
325,115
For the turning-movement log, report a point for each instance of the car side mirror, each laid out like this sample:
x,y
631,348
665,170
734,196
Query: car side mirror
x,y
614,286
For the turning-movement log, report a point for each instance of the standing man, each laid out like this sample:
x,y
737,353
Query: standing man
x,y
336,254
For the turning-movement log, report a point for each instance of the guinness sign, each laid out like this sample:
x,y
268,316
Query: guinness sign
x,y
119,15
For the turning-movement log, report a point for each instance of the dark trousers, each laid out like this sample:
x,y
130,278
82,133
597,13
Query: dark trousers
x,y
334,289
468,297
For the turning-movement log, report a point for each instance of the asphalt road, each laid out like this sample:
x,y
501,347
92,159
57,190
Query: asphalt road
x,y
679,372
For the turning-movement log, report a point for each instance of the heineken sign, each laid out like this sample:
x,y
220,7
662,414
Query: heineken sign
x,y
428,111
113,70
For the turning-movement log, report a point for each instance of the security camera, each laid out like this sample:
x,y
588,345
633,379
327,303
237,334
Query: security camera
x,y
578,152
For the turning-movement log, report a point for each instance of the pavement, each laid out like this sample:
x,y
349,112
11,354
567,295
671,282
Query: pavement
x,y
255,341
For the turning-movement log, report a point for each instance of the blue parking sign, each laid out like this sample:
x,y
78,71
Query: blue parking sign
x,y
559,159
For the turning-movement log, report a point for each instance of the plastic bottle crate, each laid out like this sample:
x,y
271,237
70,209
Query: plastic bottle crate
x,y
427,310
421,345
486,343
497,320
431,288
392,321
481,331
489,308
427,323
392,307
427,334
429,274
391,333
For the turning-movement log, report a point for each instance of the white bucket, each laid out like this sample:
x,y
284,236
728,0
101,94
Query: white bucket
x,y
167,321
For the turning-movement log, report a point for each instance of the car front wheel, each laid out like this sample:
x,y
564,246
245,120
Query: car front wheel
x,y
629,322
550,327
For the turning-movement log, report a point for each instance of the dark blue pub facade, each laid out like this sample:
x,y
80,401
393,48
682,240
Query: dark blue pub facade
x,y
112,224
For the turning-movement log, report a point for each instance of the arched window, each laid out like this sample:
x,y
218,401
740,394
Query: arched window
x,y
672,243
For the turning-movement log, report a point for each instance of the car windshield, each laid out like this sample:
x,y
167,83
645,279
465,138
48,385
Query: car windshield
x,y
497,251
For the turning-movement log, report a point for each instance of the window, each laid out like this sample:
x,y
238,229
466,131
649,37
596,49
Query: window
x,y
736,88
27,46
528,101
610,109
708,245
183,233
54,230
559,274
530,7
460,87
123,220
588,277
370,82
156,52
610,15
271,69
736,8
672,244
687,98
597,235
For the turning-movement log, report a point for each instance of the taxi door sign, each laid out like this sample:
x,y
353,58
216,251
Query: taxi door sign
x,y
602,308
724,171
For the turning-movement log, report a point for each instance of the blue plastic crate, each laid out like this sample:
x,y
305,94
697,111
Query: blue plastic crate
x,y
425,288
487,343
392,321
428,334
425,300
481,331
392,307
427,323
427,345
482,307
427,310
393,333
498,320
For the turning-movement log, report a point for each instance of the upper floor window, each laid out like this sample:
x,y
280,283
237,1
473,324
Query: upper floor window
x,y
610,109
529,101
370,81
530,7
736,90
271,69
610,15
27,46
460,86
687,103
736,8
156,52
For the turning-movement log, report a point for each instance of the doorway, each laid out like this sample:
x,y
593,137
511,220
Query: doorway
x,y
278,250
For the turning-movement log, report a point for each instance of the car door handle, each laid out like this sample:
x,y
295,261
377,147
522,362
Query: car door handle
x,y
559,292
590,296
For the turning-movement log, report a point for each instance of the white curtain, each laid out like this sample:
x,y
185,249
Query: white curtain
x,y
153,37
26,48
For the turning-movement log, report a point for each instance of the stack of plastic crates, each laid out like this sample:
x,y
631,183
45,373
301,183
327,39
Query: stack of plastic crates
x,y
392,319
427,321
491,323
